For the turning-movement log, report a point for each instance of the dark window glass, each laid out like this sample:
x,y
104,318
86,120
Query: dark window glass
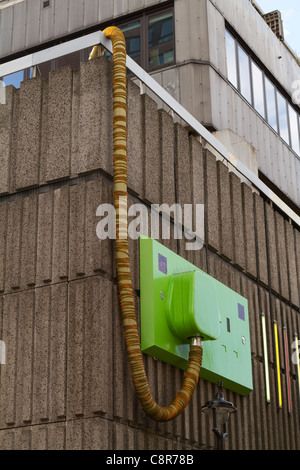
x,y
283,117
271,104
244,74
231,59
132,33
72,60
258,90
44,69
160,40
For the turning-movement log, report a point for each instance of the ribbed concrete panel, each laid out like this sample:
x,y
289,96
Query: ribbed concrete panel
x,y
135,138
28,246
297,251
272,251
282,256
122,384
29,134
75,124
23,367
60,236
292,268
44,437
225,211
89,434
212,202
261,239
8,373
44,238
6,114
77,231
250,291
152,169
237,221
35,239
183,166
87,253
49,380
3,228
167,159
14,134
59,124
90,372
48,437
95,116
13,244
249,231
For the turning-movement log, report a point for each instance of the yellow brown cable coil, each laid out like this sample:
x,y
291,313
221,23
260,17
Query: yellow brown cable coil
x,y
132,339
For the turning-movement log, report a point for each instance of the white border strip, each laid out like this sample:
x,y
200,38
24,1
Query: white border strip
x,y
90,40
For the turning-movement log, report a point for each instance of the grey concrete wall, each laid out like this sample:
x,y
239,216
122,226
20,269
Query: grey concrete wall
x,y
66,382
198,80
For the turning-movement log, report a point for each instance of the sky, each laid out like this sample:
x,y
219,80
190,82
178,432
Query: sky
x,y
290,10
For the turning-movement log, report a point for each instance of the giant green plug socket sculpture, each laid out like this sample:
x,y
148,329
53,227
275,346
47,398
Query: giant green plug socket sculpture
x,y
180,302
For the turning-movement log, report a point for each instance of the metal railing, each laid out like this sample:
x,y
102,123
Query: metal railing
x,y
75,45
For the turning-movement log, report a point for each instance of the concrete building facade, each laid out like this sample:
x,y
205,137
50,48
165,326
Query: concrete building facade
x,y
66,382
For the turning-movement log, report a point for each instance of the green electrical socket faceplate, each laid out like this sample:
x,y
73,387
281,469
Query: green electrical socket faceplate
x,y
179,301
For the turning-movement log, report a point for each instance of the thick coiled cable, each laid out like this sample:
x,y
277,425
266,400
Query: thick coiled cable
x,y
126,294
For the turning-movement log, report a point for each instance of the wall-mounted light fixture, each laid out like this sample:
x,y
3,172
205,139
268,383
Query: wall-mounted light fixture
x,y
221,410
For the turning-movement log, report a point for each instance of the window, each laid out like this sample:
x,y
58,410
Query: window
x,y
294,126
160,40
271,104
132,33
251,81
72,60
244,74
283,117
258,90
231,59
150,39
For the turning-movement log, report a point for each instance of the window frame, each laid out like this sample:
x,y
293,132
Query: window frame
x,y
144,17
238,48
264,99
275,102
227,32
153,15
266,75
